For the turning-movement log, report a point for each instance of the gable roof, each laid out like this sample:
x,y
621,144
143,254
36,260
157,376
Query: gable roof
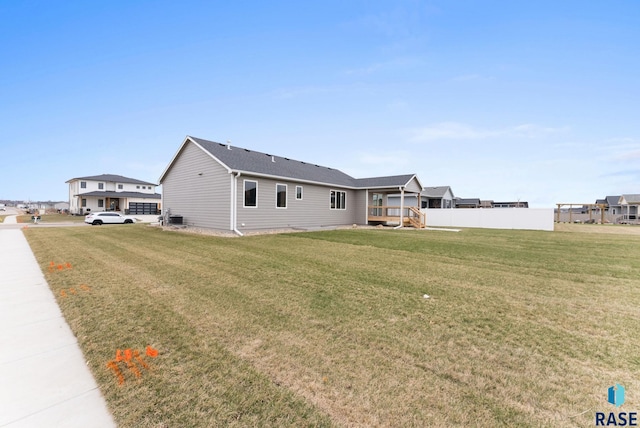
x,y
436,191
633,199
111,178
613,200
238,159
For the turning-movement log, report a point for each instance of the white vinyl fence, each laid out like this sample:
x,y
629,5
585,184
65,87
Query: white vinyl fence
x,y
492,218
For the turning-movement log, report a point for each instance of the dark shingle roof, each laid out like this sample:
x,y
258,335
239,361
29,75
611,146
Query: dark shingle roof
x,y
435,191
112,178
613,200
250,161
390,181
467,201
631,198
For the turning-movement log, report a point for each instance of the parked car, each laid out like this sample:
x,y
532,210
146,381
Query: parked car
x,y
109,217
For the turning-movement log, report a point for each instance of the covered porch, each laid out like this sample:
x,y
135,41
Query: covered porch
x,y
403,210
405,216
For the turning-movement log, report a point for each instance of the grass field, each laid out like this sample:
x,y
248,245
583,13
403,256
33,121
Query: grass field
x,y
332,329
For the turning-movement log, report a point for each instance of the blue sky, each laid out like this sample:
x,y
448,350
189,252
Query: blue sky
x,y
533,101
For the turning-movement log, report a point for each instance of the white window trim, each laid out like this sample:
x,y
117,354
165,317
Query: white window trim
x,y
338,192
244,190
301,193
286,196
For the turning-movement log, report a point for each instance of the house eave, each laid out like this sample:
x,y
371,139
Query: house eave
x,y
297,180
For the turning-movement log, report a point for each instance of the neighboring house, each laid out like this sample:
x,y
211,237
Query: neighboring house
x,y
61,206
613,205
512,204
219,186
430,197
467,202
109,192
629,204
437,197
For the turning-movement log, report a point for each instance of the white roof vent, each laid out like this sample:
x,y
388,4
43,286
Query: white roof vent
x,y
228,145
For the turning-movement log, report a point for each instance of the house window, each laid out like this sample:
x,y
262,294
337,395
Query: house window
x,y
338,200
137,187
100,203
299,193
83,184
250,193
120,186
100,186
281,196
84,202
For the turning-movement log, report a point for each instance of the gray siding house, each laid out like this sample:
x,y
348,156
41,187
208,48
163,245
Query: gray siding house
x,y
223,187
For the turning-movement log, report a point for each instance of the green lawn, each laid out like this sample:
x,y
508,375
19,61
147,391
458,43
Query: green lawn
x,y
331,328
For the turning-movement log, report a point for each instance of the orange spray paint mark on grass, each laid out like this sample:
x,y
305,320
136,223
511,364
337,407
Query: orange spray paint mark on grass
x,y
116,370
131,366
139,359
151,352
133,361
63,293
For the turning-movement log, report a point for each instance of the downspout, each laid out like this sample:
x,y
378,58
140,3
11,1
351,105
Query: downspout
x,y
401,209
234,205
366,206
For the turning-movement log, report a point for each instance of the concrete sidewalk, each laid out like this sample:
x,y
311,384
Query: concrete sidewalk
x,y
44,380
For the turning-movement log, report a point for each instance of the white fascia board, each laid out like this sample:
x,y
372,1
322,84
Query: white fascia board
x,y
188,139
415,176
295,180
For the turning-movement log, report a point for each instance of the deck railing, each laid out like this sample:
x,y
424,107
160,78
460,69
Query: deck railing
x,y
410,215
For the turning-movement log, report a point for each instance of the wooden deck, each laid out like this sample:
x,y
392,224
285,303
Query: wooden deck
x,y
412,216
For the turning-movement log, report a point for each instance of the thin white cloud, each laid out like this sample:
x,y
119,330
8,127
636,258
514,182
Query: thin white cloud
x,y
398,158
628,156
461,131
